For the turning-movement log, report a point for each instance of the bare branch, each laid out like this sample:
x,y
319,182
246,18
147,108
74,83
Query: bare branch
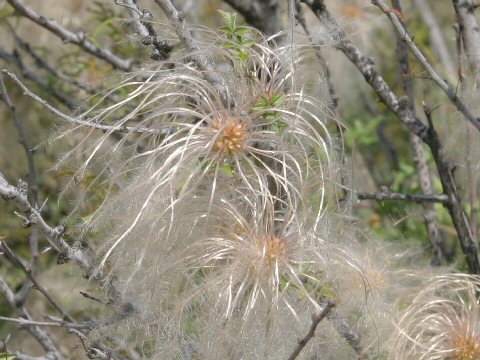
x,y
367,68
77,121
142,24
470,32
32,173
351,336
42,64
23,322
401,109
454,204
18,262
385,194
436,35
35,219
15,59
177,19
68,36
22,133
39,334
447,88
423,172
316,319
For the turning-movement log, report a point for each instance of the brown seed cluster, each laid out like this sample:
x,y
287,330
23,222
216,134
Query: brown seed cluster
x,y
467,348
230,136
275,249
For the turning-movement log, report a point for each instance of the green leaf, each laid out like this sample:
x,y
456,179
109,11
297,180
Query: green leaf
x,y
229,18
228,169
7,356
241,30
279,126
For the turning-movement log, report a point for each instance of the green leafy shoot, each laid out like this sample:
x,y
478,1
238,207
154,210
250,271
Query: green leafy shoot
x,y
238,37
267,104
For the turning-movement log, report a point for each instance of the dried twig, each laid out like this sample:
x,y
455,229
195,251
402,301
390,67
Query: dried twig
x,y
423,172
81,122
351,336
470,33
141,23
22,322
20,263
401,109
316,319
450,90
38,333
32,173
34,218
42,64
418,198
438,39
16,60
182,29
68,36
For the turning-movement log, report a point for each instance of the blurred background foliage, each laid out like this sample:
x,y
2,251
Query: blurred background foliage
x,y
376,146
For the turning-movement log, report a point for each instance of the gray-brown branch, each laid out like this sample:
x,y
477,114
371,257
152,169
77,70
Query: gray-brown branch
x,y
448,89
418,154
470,33
80,39
418,198
401,109
316,319
37,332
142,24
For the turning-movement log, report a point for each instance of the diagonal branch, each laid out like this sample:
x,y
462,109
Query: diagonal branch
x,y
401,109
443,84
141,23
34,218
39,334
183,31
435,34
68,36
316,319
77,121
